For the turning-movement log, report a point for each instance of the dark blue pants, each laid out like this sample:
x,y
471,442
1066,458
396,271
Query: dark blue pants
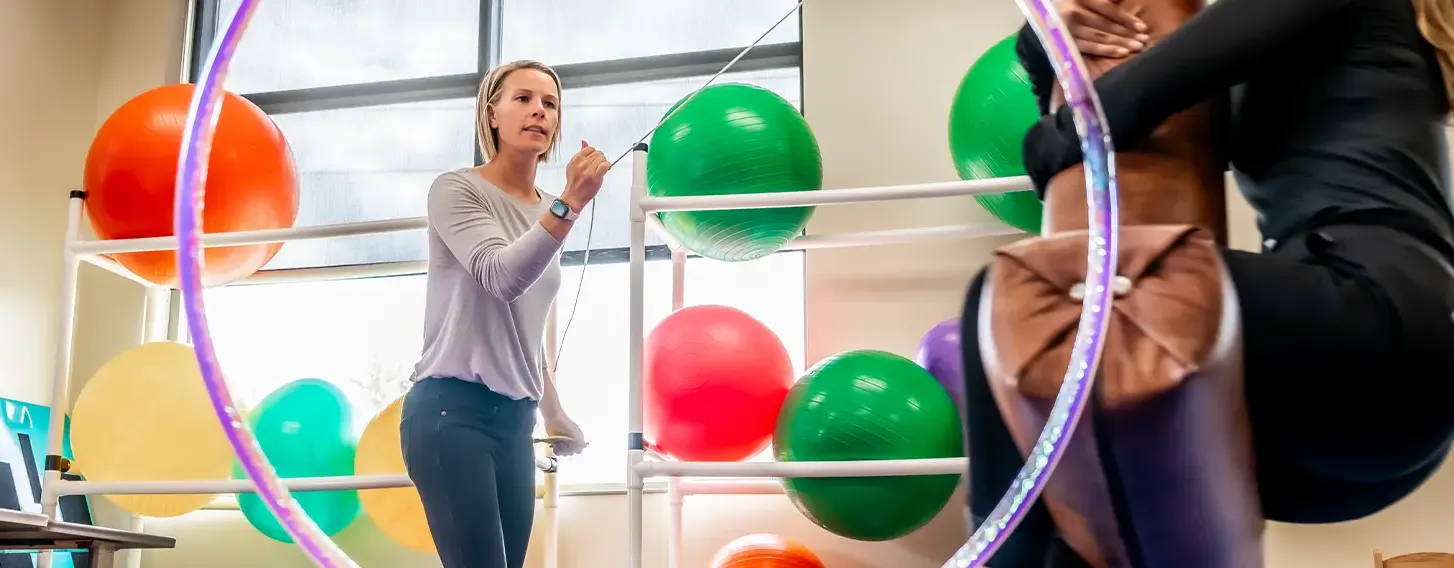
x,y
470,455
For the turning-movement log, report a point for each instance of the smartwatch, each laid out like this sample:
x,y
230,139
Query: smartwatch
x,y
561,210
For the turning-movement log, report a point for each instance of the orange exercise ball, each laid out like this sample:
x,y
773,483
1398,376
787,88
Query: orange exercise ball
x,y
765,551
130,182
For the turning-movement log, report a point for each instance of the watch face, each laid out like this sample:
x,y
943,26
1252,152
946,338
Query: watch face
x,y
559,209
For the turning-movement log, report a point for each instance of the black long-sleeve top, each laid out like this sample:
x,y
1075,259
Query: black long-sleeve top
x,y
1338,109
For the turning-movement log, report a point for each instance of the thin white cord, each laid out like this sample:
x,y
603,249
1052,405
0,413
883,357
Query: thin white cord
x,y
590,227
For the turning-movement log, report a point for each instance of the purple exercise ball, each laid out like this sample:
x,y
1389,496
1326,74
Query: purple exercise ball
x,y
939,354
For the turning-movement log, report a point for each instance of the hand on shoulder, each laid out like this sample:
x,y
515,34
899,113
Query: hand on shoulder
x,y
1103,27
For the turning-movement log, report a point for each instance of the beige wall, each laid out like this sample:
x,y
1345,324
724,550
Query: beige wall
x,y
48,67
66,67
94,54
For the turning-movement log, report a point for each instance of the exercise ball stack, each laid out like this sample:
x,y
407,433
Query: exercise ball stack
x,y
868,405
131,176
734,138
305,428
993,109
713,381
765,551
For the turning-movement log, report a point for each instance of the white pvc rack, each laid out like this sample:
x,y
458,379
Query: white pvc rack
x,y
683,478
78,250
644,464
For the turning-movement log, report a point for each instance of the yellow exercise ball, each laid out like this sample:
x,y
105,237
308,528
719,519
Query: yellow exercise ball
x,y
146,416
398,512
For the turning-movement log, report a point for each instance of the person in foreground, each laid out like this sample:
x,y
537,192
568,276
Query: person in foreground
x,y
493,273
1337,141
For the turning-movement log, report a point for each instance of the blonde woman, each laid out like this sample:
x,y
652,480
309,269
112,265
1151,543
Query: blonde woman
x,y
1337,141
494,251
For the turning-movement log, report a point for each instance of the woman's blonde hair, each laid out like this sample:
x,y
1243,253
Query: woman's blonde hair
x,y
491,88
1436,21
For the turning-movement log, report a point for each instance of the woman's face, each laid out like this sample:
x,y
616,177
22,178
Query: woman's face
x,y
527,113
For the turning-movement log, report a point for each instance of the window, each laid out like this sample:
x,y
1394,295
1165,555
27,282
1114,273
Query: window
x,y
301,44
575,31
268,335
369,164
376,98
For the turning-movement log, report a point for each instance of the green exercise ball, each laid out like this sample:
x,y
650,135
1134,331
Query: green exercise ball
x,y
993,109
868,405
734,138
305,429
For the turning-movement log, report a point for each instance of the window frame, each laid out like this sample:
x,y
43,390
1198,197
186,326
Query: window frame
x,y
203,31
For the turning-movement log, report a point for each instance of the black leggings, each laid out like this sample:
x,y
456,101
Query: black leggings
x,y
469,452
1348,337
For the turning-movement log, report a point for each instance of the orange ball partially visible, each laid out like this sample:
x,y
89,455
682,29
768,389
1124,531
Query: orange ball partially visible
x,y
130,182
765,551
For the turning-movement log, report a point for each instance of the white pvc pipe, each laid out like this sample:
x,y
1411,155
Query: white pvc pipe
x,y
869,238
345,272
636,343
266,236
332,483
329,483
675,538
647,205
133,556
689,487
805,242
678,279
552,519
900,236
552,482
157,314
60,400
657,227
675,541
859,468
105,263
835,196
155,325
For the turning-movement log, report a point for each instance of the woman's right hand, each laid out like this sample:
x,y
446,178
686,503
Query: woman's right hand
x,y
1102,28
583,176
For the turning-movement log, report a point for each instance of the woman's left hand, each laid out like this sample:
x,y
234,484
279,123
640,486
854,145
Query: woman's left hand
x,y
557,424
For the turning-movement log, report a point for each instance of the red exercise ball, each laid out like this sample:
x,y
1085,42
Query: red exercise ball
x,y
765,551
713,381
131,172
